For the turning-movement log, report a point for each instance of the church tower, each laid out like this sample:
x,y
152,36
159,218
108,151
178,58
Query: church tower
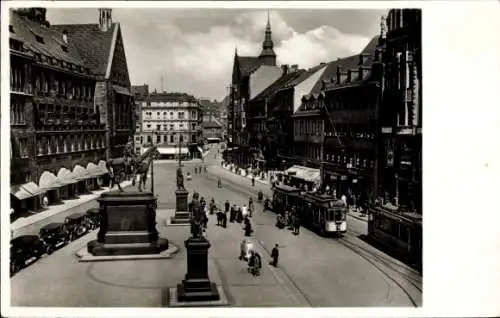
x,y
267,56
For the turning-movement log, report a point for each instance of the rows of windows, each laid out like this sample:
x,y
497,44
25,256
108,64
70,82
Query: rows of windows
x,y
17,79
62,86
166,115
308,127
307,151
61,144
17,113
352,99
171,126
351,160
353,131
171,138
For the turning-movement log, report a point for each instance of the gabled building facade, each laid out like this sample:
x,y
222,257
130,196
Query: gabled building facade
x,y
250,76
101,48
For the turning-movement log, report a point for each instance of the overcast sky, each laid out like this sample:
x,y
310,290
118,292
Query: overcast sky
x,y
193,49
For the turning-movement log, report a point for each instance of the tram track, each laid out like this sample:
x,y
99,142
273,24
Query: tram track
x,y
377,261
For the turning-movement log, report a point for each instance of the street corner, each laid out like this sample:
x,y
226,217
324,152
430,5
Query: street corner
x,y
84,256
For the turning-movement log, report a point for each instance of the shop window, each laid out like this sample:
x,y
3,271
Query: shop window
x,y
158,139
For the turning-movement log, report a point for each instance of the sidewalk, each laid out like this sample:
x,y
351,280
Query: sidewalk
x,y
266,182
56,209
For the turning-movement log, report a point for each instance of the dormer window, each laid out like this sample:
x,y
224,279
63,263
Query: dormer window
x,y
39,39
64,48
11,28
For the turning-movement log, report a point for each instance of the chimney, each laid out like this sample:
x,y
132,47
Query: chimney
x,y
65,36
284,69
105,20
294,68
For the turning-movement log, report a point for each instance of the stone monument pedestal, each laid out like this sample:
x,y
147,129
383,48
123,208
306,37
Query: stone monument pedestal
x,y
196,286
182,215
128,225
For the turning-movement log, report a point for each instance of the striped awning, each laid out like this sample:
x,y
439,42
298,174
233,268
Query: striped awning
x,y
173,150
25,191
305,173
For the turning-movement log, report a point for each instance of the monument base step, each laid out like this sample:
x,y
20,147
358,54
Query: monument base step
x,y
180,218
99,249
210,293
173,301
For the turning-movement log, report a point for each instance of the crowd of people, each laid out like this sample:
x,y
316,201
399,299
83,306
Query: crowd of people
x,y
240,214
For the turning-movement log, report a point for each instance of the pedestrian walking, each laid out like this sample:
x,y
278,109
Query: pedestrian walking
x,y
232,214
275,253
224,220
219,182
239,214
244,211
253,181
296,225
250,207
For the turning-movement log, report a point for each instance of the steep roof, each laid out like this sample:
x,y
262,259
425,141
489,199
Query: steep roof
x,y
347,63
93,44
247,64
281,82
140,89
27,32
171,97
211,124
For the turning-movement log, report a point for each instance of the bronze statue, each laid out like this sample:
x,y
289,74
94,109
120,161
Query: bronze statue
x,y
180,179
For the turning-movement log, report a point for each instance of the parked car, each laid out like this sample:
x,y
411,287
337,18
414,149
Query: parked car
x,y
94,218
76,225
54,235
25,250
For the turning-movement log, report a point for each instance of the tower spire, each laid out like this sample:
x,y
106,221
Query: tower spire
x,y
267,55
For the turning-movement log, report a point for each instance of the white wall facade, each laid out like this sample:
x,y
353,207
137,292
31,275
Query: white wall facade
x,y
305,87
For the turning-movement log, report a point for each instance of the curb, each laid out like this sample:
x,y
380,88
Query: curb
x,y
83,256
357,217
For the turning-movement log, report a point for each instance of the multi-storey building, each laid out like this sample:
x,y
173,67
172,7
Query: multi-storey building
x,y
401,111
57,135
172,121
101,48
251,75
140,94
350,103
396,219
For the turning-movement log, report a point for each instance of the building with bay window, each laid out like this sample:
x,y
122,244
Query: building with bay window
x,y
58,139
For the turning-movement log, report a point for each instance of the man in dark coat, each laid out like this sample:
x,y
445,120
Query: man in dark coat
x,y
224,220
275,253
232,214
227,206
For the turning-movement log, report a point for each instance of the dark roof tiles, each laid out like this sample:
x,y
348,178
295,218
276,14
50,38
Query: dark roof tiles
x,y
247,64
27,32
93,44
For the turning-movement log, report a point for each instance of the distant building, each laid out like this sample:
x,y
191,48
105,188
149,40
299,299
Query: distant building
x,y
140,94
170,120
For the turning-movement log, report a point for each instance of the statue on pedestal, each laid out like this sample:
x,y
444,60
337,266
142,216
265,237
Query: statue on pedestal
x,y
180,179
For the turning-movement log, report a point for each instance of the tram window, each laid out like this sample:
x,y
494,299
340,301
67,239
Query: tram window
x,y
404,232
385,225
338,215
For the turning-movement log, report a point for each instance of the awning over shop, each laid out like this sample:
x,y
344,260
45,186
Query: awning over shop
x,y
121,90
96,171
48,181
80,173
203,153
26,190
65,176
305,173
173,150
